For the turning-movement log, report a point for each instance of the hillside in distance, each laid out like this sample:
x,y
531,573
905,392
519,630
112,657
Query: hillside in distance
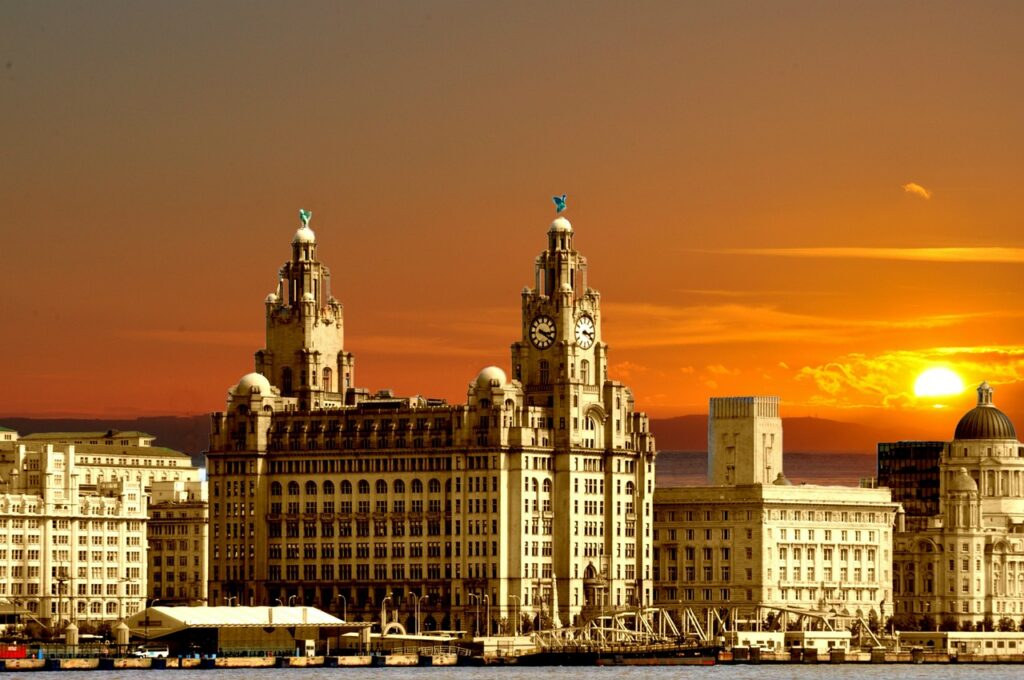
x,y
809,435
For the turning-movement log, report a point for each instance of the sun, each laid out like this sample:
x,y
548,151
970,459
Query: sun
x,y
938,382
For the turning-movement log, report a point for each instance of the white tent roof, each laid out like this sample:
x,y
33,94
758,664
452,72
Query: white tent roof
x,y
158,621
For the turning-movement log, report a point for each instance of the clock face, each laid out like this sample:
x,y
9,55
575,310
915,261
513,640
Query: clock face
x,y
542,332
585,332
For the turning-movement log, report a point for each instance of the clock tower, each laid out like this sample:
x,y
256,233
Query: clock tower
x,y
561,359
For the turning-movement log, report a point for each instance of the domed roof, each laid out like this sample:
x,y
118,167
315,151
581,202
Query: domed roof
x,y
308,297
985,421
963,482
782,481
560,224
490,374
272,298
304,235
252,383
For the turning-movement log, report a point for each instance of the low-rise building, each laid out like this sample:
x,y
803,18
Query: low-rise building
x,y
750,538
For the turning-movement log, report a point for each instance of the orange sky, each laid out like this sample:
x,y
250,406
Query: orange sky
x,y
802,199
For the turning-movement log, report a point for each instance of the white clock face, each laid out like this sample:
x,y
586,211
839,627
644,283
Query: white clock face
x,y
585,332
542,332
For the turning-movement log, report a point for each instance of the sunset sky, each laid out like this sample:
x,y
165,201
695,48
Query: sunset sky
x,y
812,200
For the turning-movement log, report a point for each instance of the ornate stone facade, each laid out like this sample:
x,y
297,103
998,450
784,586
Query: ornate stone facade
x,y
533,498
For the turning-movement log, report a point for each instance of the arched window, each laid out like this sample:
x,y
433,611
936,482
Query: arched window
x,y
534,485
382,487
629,488
585,371
328,488
364,486
311,488
545,372
293,488
328,379
275,488
399,486
547,486
417,486
435,486
346,487
286,381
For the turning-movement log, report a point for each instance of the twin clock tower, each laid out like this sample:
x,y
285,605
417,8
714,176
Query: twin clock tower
x,y
561,360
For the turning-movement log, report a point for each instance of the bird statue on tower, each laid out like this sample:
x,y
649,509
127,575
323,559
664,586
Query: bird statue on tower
x,y
305,216
559,203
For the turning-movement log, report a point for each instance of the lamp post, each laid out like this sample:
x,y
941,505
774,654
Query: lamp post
x,y
344,610
419,629
487,614
280,602
230,599
384,612
292,598
145,621
515,612
476,619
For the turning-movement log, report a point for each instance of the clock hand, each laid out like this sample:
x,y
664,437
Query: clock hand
x,y
550,335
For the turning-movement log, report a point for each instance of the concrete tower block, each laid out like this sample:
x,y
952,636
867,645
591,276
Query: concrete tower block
x,y
744,440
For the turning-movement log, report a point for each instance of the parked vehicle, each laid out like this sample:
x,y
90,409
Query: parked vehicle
x,y
152,652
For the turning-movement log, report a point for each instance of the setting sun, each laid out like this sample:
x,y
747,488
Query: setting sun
x,y
938,382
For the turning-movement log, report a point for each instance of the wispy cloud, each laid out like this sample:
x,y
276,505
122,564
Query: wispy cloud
x,y
917,190
886,379
965,254
648,325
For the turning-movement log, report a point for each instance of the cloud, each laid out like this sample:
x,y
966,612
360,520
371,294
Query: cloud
x,y
992,255
627,369
649,325
885,379
917,190
719,369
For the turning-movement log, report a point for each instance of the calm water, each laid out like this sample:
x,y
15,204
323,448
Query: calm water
x,y
797,672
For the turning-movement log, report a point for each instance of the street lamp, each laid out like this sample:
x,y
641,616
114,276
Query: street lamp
x,y
292,598
416,609
384,612
476,619
229,600
487,613
515,611
145,621
280,603
419,630
344,610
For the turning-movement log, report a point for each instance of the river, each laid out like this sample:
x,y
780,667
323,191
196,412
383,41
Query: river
x,y
849,671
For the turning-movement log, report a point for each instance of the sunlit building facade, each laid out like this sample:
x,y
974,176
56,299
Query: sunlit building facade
x,y
750,538
533,499
965,566
67,553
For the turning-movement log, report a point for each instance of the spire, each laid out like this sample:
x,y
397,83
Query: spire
x,y
985,394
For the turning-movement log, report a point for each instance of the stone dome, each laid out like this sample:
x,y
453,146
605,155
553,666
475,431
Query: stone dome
x,y
561,224
963,482
782,481
490,374
985,421
272,298
252,383
308,297
304,235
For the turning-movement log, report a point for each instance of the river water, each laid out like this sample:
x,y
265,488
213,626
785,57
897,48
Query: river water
x,y
849,671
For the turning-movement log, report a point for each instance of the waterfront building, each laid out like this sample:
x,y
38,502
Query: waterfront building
x,y
910,469
108,457
68,553
534,498
965,566
752,538
178,542
116,454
